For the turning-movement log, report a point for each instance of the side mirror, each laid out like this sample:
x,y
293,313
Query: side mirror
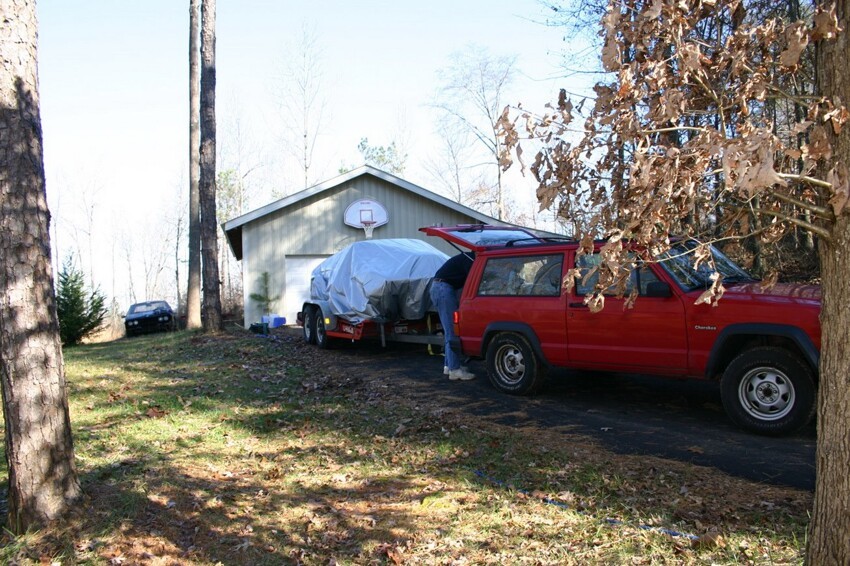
x,y
658,289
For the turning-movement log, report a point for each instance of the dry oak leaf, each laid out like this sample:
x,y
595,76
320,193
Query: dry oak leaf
x,y
818,147
769,282
155,412
595,302
713,293
691,57
801,127
654,10
798,39
839,178
762,173
710,540
837,117
825,24
611,55
392,552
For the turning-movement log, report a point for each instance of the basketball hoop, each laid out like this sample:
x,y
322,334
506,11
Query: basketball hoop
x,y
367,214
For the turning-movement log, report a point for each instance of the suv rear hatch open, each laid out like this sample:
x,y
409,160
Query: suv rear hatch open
x,y
479,237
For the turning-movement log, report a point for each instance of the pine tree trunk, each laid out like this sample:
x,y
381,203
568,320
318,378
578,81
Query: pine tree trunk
x,y
828,542
209,223
828,532
193,293
39,451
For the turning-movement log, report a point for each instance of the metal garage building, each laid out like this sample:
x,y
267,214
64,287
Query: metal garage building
x,y
289,237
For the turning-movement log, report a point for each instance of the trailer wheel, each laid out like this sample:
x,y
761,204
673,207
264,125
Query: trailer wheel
x,y
320,334
309,330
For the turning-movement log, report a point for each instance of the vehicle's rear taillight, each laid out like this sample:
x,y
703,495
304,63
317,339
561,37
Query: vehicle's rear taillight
x,y
456,317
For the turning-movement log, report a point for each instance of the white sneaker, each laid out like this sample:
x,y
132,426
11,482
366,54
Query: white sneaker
x,y
461,374
446,369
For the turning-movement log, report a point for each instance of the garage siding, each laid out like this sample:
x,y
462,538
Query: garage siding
x,y
266,257
298,271
285,242
315,226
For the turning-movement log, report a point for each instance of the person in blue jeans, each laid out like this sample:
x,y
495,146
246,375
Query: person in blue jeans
x,y
445,296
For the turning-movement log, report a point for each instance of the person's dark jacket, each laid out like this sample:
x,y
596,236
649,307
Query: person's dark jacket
x,y
456,269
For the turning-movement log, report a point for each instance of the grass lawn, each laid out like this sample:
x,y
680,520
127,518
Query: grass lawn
x,y
235,449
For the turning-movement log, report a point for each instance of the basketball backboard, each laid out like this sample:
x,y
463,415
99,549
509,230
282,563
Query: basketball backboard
x,y
365,211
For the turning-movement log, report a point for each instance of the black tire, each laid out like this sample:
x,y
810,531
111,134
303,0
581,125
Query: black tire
x,y
769,391
309,330
319,332
512,365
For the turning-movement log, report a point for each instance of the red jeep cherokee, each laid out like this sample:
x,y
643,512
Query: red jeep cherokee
x,y
515,312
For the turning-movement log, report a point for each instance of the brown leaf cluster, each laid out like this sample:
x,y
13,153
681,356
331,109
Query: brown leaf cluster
x,y
679,141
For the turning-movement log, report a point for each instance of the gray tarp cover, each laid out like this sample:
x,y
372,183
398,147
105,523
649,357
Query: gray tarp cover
x,y
381,280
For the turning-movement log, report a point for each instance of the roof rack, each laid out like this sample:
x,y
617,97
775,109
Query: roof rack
x,y
540,240
471,227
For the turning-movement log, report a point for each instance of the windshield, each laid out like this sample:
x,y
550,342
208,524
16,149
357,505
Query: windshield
x,y
148,307
679,262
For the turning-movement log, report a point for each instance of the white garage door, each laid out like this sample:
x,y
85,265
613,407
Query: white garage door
x,y
298,270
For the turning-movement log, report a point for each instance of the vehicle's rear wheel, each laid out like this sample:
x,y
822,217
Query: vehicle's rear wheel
x,y
319,331
512,366
309,330
769,390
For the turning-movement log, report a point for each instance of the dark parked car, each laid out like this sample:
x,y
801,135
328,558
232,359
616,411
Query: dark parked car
x,y
150,316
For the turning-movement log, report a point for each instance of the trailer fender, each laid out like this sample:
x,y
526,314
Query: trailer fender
x,y
324,307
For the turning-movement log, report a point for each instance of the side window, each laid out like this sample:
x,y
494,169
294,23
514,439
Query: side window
x,y
645,277
522,276
588,264
640,276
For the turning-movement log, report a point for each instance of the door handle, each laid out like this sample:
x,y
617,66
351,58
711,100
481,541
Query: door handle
x,y
577,305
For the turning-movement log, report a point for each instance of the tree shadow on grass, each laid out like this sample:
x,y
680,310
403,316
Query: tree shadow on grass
x,y
334,464
154,505
194,514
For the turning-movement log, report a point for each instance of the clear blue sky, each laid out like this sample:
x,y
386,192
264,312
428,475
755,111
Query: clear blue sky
x,y
114,88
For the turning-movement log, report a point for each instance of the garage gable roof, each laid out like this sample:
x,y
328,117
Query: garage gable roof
x,y
233,228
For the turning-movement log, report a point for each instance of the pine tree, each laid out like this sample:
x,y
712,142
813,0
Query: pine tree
x,y
80,313
264,299
39,450
207,189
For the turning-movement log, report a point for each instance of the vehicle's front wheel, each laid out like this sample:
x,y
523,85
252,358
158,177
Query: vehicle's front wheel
x,y
309,330
769,390
512,366
319,331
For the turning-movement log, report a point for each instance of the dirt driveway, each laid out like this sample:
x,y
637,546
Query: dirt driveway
x,y
629,414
